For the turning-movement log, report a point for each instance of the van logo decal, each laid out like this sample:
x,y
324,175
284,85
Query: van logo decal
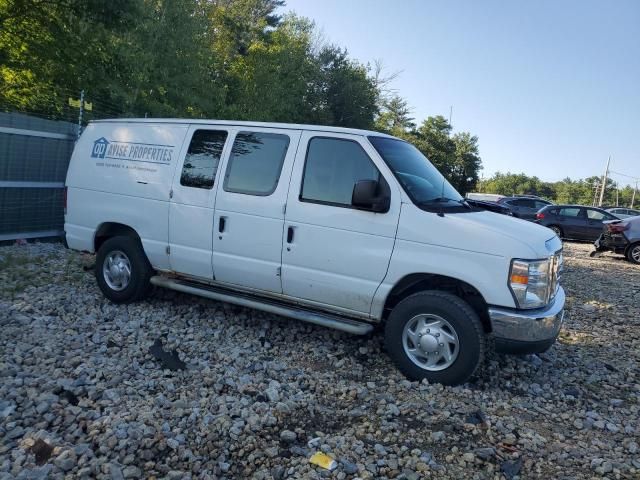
x,y
132,151
99,148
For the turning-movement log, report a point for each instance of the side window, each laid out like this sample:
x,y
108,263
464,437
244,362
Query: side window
x,y
539,204
201,163
255,163
569,212
595,215
522,202
332,167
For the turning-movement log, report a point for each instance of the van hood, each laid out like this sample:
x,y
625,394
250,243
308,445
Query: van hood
x,y
482,232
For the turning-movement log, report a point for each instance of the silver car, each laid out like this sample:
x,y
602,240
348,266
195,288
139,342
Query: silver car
x,y
623,212
622,237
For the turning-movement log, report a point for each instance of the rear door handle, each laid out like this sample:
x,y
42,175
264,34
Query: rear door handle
x,y
290,235
222,221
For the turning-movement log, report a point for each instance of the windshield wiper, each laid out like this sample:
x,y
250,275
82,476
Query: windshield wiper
x,y
462,201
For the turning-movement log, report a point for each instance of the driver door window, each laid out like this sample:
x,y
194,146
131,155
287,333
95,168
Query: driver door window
x,y
333,166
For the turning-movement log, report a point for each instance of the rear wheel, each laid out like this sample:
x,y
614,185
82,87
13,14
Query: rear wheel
x,y
437,336
633,253
557,230
123,270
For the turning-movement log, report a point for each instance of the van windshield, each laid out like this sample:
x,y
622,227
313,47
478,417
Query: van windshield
x,y
417,175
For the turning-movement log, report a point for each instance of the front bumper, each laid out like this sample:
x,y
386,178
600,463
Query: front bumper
x,y
527,331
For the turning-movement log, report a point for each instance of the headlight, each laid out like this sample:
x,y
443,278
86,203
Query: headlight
x,y
530,281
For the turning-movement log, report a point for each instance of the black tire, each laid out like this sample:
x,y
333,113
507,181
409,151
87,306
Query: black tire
x,y
558,231
465,323
634,249
141,270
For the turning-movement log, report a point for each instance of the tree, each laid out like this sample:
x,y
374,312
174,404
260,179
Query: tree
x,y
271,82
432,138
345,94
467,163
395,116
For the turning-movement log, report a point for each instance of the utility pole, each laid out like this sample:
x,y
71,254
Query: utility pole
x,y
603,185
82,106
595,193
633,197
617,195
81,111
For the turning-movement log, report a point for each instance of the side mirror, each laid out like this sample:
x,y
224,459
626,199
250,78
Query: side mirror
x,y
371,195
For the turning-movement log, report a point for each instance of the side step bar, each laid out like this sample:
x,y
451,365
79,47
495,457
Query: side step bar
x,y
299,313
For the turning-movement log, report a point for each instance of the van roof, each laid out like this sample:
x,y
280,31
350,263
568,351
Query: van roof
x,y
292,126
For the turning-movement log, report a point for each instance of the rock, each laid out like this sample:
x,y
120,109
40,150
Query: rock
x,y
263,394
468,457
132,472
288,436
485,453
511,468
348,467
272,394
173,444
17,432
66,460
379,449
115,472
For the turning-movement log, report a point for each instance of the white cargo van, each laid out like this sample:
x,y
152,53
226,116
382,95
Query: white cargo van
x,y
338,227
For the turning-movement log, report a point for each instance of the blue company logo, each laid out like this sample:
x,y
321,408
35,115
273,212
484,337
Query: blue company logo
x,y
132,151
99,148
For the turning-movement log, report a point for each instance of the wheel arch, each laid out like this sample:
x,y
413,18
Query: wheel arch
x,y
418,282
108,230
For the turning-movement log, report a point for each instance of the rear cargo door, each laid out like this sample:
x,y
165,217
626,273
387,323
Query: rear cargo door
x,y
193,200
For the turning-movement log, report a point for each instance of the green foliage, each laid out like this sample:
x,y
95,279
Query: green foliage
x,y
182,58
456,156
395,116
567,191
234,59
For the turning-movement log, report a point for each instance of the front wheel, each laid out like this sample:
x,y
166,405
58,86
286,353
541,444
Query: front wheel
x,y
123,270
437,336
633,253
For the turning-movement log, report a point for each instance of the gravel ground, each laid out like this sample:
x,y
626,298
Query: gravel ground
x,y
82,396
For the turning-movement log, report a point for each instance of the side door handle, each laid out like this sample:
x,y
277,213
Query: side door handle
x,y
290,235
222,222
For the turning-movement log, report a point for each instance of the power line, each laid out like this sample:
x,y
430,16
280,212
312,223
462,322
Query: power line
x,y
625,175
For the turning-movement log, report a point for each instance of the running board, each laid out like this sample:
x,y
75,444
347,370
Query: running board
x,y
299,313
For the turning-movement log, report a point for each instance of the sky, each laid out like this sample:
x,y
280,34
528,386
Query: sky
x,y
550,87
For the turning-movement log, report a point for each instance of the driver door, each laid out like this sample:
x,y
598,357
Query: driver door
x,y
334,254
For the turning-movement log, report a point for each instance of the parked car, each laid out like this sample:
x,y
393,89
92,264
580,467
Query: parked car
x,y
574,222
333,226
491,206
621,237
484,197
524,207
623,212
